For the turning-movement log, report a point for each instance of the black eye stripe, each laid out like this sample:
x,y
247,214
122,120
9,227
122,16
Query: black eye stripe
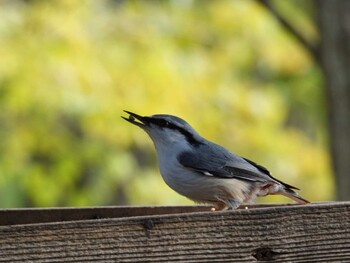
x,y
165,124
160,122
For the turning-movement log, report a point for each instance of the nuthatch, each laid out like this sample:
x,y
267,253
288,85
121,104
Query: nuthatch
x,y
204,171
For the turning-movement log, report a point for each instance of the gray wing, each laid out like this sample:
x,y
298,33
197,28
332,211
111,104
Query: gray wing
x,y
214,160
218,162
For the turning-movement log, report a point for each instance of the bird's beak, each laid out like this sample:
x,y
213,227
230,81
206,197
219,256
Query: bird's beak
x,y
138,120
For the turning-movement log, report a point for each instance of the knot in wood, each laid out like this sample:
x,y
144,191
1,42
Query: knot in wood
x,y
148,224
263,254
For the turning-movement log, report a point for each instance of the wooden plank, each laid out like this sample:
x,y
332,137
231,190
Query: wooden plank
x,y
293,233
45,215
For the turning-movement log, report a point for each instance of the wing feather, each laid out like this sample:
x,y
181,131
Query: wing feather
x,y
221,167
216,161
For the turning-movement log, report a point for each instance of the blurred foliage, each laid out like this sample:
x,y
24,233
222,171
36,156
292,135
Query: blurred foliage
x,y
69,68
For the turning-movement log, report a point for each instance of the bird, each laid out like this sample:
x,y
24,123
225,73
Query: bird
x,y
206,172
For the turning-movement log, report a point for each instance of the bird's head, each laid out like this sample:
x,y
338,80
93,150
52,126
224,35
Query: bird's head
x,y
165,129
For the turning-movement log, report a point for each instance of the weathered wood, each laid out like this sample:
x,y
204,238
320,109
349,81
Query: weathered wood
x,y
293,233
45,215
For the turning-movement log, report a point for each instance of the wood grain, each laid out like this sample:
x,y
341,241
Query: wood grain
x,y
294,233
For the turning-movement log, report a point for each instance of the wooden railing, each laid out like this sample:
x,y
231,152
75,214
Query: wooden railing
x,y
317,232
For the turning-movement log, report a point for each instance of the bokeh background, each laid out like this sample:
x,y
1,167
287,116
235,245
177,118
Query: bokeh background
x,y
68,69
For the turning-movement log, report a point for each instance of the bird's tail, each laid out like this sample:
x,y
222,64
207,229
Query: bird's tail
x,y
293,195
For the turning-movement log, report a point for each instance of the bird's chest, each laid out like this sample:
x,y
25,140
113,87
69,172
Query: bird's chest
x,y
173,173
170,168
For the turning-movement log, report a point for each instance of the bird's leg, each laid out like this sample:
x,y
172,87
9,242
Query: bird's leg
x,y
233,204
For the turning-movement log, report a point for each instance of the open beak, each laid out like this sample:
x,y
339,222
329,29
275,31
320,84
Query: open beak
x,y
138,120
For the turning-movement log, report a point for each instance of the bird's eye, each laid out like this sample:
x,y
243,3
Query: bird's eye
x,y
162,123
